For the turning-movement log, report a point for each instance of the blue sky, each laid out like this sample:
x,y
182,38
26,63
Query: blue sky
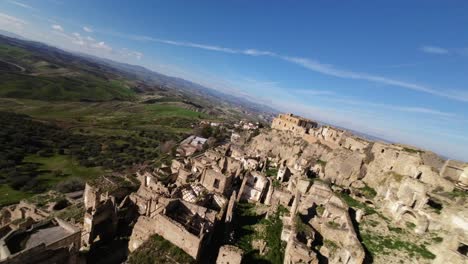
x,y
393,69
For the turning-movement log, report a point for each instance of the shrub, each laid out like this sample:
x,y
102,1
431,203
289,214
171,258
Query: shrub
x,y
70,185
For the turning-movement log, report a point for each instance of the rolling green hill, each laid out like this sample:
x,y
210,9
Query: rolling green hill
x,y
89,88
42,74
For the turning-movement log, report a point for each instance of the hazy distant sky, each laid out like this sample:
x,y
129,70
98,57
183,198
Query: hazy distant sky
x,y
393,69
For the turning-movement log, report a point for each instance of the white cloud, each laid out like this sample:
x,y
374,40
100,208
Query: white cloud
x,y
101,45
407,109
126,53
87,29
21,4
11,23
57,27
434,50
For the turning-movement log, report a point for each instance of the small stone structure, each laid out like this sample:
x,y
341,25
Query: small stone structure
x,y
229,255
191,145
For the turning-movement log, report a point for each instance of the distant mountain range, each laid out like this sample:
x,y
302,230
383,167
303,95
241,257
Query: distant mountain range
x,y
11,34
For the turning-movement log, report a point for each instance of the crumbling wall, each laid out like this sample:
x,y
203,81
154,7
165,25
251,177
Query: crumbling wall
x,y
296,252
343,167
216,181
169,230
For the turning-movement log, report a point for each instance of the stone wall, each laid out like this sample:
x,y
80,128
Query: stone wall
x,y
169,230
216,181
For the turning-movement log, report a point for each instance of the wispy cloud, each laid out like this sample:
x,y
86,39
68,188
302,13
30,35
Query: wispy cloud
x,y
126,53
314,92
57,27
400,108
434,50
87,29
23,5
90,45
312,65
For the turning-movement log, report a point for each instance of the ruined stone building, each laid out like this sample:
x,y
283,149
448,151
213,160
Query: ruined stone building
x,y
186,225
191,145
50,241
100,218
295,124
254,187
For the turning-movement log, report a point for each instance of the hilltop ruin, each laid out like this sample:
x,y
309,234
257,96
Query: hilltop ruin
x,y
308,193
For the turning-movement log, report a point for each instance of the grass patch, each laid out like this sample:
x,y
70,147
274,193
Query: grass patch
x,y
60,167
398,177
410,150
332,246
42,200
377,244
333,224
173,111
85,87
158,250
457,193
9,195
250,226
271,172
368,192
321,162
72,213
351,202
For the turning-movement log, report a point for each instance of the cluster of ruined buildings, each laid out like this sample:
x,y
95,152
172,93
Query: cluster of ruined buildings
x,y
185,201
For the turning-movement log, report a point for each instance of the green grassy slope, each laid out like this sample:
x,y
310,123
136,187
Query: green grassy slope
x,y
61,88
46,78
66,140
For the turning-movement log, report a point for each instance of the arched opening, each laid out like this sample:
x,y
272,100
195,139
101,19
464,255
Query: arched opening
x,y
382,151
410,217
